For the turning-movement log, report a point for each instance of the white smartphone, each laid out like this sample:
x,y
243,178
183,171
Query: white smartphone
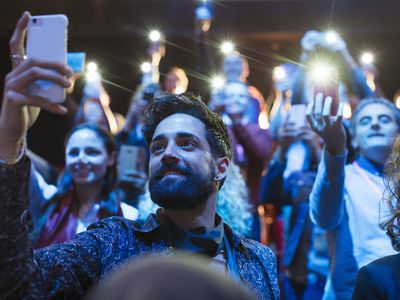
x,y
297,115
131,158
47,40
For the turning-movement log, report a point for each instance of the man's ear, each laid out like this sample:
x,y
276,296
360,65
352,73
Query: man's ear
x,y
221,168
111,159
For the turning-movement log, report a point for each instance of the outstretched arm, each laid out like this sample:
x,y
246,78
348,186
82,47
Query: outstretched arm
x,y
326,199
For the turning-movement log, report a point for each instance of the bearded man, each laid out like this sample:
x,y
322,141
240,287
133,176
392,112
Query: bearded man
x,y
190,155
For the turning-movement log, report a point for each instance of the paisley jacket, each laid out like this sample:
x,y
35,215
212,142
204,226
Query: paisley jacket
x,y
65,271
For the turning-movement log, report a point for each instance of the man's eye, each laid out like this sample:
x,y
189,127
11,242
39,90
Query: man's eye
x,y
365,121
385,119
187,144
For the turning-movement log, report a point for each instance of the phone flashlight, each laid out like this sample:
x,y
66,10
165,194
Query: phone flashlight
x,y
145,67
154,36
367,58
331,37
217,82
279,73
91,67
227,47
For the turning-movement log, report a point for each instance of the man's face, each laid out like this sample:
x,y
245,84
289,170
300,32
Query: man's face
x,y
233,67
182,169
376,128
236,97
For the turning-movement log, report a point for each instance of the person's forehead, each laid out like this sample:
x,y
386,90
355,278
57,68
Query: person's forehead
x,y
83,138
180,123
375,109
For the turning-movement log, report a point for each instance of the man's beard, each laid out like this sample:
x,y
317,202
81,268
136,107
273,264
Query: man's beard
x,y
184,193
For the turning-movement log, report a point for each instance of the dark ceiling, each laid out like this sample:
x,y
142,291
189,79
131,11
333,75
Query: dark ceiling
x,y
113,32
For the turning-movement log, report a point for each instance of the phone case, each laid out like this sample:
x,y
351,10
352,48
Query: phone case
x,y
47,40
131,158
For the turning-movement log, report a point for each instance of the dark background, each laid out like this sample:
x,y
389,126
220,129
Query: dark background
x,y
114,34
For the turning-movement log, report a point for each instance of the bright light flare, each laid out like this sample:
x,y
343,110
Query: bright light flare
x,y
217,82
347,111
180,89
145,67
322,73
227,47
331,37
279,73
367,58
92,76
91,67
155,36
397,101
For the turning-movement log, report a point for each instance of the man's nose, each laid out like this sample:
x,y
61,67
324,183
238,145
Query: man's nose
x,y
169,156
375,125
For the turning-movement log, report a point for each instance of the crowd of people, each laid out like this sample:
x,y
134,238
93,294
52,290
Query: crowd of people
x,y
293,197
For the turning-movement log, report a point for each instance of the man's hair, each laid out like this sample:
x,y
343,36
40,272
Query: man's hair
x,y
368,101
167,104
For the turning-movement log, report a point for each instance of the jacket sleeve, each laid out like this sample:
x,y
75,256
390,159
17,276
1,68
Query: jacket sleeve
x,y
327,196
57,272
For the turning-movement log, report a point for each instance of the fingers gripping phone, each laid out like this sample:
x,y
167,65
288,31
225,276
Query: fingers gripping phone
x,y
47,40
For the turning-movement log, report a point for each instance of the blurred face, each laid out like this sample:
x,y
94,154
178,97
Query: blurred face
x,y
93,112
182,170
175,82
86,157
236,98
232,67
376,129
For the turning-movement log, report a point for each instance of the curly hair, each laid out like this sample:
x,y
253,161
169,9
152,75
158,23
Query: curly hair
x,y
392,182
167,104
233,203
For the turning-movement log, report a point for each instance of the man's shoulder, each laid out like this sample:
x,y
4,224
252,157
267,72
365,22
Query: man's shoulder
x,y
254,248
121,224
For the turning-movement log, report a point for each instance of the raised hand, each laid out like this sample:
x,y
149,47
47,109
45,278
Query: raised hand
x,y
329,128
19,109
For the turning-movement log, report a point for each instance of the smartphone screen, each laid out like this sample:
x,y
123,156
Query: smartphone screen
x,y
76,60
297,115
132,158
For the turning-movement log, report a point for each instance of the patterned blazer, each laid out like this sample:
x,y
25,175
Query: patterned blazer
x,y
65,271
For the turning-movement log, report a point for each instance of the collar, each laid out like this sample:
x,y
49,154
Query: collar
x,y
374,168
198,240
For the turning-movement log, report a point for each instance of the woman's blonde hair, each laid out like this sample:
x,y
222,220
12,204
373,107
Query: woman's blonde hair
x,y
392,182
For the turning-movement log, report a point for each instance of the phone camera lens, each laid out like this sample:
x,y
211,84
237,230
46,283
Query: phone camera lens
x,y
34,21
